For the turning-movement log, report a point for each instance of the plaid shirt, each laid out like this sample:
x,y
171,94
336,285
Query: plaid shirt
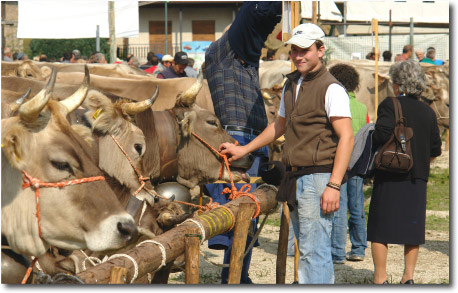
x,y
234,88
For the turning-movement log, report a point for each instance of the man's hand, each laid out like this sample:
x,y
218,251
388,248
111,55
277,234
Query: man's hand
x,y
330,200
233,151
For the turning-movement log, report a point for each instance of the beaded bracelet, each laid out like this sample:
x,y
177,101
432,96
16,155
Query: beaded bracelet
x,y
333,186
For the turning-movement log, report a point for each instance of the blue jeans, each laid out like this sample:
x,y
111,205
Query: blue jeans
x,y
351,200
313,231
339,227
224,241
357,220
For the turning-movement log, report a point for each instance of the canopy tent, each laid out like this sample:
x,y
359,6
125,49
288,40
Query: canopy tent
x,y
359,10
71,19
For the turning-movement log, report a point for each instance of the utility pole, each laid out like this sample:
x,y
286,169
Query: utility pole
x,y
111,21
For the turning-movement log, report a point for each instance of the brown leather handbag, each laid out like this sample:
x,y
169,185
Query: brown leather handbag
x,y
396,154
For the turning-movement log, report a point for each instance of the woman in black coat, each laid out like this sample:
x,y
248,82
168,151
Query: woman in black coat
x,y
397,210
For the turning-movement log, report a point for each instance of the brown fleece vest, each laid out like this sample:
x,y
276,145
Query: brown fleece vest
x,y
310,138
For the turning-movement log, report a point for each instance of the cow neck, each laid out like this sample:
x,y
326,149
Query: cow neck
x,y
164,125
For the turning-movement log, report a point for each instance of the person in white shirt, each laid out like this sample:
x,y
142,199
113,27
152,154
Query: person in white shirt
x,y
315,117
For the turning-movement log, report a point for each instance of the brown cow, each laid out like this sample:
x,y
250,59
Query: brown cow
x,y
169,136
40,141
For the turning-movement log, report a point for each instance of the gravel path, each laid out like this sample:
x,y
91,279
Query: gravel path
x,y
433,265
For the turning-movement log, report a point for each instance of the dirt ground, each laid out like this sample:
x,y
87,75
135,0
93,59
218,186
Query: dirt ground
x,y
433,265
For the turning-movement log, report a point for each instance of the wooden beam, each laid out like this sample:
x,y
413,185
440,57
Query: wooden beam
x,y
148,256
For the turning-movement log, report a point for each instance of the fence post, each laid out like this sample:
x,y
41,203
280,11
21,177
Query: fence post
x,y
282,245
192,255
243,222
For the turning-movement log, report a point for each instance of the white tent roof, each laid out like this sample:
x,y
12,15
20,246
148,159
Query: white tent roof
x,y
71,19
425,12
328,10
363,10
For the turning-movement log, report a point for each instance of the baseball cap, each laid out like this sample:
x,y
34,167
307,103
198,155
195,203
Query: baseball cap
x,y
77,54
167,57
305,35
181,58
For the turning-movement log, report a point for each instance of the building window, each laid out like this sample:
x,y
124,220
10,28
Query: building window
x,y
203,30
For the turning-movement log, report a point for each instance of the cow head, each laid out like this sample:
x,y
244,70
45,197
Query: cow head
x,y
41,142
110,120
197,163
272,97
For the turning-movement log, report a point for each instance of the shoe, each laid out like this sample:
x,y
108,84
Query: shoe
x,y
354,257
408,282
384,283
295,282
338,261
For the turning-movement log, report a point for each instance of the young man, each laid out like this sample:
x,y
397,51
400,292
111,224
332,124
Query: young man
x,y
315,117
180,61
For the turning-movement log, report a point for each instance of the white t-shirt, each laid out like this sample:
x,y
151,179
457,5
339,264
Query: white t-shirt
x,y
337,102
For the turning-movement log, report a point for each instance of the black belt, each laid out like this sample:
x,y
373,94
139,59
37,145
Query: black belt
x,y
242,129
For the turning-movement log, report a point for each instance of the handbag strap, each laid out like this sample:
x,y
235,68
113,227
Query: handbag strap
x,y
397,109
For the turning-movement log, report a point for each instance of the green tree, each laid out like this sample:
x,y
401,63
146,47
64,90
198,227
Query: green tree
x,y
54,48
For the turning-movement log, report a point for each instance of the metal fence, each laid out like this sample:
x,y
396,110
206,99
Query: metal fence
x,y
141,50
341,48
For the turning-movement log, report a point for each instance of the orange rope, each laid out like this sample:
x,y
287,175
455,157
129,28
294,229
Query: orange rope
x,y
233,191
35,183
140,177
29,271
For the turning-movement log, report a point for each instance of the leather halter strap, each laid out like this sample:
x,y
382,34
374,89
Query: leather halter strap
x,y
164,125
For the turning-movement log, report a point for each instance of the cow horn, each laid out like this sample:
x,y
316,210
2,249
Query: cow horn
x,y
266,96
30,110
74,101
189,96
135,108
15,106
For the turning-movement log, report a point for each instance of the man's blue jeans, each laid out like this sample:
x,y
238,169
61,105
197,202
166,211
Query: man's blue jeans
x,y
313,231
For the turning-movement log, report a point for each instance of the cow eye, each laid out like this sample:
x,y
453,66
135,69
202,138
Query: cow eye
x,y
212,122
138,147
63,166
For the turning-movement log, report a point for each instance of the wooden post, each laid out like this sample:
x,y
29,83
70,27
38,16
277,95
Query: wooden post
x,y
314,11
375,30
192,255
246,212
296,260
111,21
118,275
283,245
446,139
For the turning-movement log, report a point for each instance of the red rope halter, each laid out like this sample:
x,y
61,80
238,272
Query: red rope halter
x,y
35,183
244,190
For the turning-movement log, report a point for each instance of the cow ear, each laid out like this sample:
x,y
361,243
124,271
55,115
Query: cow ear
x,y
187,124
97,103
13,143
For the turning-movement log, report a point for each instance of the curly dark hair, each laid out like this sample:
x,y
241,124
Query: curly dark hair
x,y
346,75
